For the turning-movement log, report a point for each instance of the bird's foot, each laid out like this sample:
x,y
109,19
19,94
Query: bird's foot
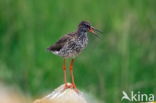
x,y
66,86
75,88
71,86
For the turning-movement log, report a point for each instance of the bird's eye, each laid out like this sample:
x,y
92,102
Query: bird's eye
x,y
87,25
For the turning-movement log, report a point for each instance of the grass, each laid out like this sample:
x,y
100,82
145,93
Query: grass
x,y
123,60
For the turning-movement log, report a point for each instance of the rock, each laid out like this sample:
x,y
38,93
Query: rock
x,y
11,95
63,96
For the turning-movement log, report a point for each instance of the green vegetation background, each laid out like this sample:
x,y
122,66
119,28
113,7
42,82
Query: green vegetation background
x,y
125,58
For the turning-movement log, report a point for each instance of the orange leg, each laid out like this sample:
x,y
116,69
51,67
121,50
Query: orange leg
x,y
64,70
65,77
72,76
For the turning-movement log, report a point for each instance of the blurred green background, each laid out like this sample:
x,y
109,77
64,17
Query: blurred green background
x,y
125,58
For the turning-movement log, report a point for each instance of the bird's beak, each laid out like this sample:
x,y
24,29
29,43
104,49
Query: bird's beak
x,y
94,31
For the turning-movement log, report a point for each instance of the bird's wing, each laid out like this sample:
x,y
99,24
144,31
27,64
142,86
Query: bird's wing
x,y
61,42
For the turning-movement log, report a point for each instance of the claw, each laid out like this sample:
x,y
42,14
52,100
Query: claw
x,y
71,86
76,90
66,86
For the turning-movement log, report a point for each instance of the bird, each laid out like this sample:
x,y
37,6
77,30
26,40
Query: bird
x,y
71,45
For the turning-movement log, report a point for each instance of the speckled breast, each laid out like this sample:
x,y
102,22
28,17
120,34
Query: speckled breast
x,y
74,47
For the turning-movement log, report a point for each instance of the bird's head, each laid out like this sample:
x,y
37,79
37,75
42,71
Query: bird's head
x,y
85,26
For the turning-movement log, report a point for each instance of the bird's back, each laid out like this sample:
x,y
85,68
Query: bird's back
x,y
61,42
69,45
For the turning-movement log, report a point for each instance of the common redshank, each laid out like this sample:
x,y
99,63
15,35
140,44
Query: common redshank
x,y
70,45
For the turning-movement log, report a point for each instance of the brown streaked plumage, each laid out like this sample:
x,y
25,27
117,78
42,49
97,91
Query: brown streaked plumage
x,y
70,45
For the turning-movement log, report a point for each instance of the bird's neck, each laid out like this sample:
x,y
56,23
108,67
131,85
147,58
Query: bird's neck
x,y
81,32
81,29
81,36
